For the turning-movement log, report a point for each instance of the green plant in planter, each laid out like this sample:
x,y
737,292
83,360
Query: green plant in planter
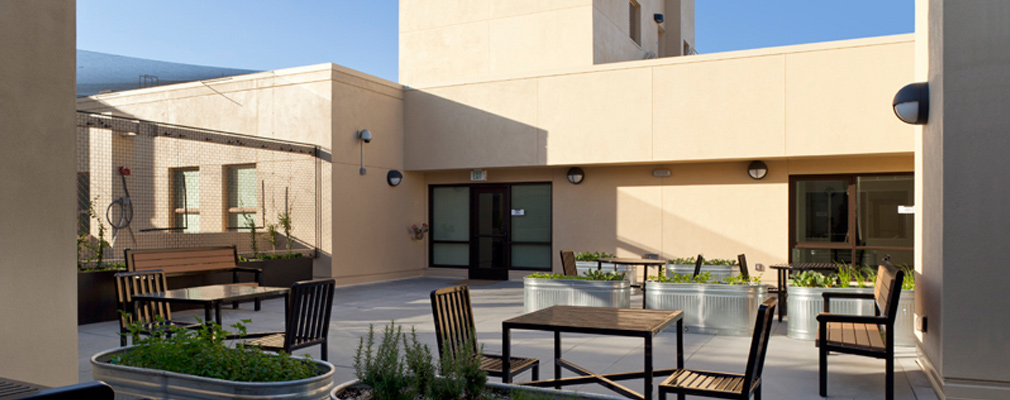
x,y
401,368
591,275
90,253
812,279
203,352
704,277
284,219
692,260
909,282
272,236
739,279
587,256
250,224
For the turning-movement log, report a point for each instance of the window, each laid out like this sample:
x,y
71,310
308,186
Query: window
x,y
450,226
185,208
531,226
240,191
635,22
852,218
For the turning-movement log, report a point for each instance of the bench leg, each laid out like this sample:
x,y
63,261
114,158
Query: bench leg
x,y
536,372
823,370
257,305
890,377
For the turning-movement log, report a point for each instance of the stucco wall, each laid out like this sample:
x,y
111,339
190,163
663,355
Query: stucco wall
x,y
967,142
491,38
611,37
361,216
712,208
38,291
797,101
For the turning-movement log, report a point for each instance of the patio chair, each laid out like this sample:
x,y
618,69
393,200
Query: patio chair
x,y
697,265
870,336
454,328
724,385
742,261
151,316
306,319
568,263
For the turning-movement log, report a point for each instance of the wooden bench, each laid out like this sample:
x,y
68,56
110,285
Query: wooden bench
x,y
193,261
862,335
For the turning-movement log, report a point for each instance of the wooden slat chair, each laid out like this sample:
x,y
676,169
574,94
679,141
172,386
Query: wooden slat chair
x,y
454,328
725,385
306,319
568,263
150,315
741,260
697,265
94,390
193,261
862,335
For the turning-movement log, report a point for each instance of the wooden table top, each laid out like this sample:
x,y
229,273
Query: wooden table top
x,y
599,320
213,293
632,261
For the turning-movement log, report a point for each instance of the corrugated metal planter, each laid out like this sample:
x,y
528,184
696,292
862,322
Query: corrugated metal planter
x,y
531,392
138,383
708,307
719,272
805,303
542,293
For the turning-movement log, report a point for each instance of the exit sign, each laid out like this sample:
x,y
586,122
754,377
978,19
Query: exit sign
x,y
478,175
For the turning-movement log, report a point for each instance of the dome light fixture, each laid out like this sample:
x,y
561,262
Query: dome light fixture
x,y
911,103
757,170
576,175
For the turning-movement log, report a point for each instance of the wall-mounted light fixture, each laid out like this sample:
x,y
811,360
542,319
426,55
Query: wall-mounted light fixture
x,y
757,170
365,137
658,18
661,172
911,103
576,175
394,177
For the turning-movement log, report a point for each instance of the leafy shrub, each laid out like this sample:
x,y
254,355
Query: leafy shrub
x,y
812,279
592,275
692,260
909,282
739,279
704,277
587,256
202,352
411,375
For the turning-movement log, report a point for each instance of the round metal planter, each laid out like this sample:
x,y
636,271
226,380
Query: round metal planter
x,y
710,308
543,293
719,272
140,383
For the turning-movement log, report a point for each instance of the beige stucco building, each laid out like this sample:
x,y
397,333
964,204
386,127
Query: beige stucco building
x,y
500,100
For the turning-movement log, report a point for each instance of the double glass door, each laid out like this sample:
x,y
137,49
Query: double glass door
x,y
489,242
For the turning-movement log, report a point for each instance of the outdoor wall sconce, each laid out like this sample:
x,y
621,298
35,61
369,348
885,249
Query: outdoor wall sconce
x,y
911,103
418,231
576,175
365,137
661,172
757,170
393,177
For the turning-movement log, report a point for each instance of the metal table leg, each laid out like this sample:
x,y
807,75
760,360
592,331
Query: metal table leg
x,y
505,350
557,358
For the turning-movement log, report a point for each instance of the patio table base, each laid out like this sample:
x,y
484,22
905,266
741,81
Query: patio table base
x,y
587,376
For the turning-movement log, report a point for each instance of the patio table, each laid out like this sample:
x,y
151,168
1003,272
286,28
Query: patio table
x,y
783,278
12,389
212,296
646,263
601,321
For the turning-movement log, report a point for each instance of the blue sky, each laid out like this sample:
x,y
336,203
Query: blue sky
x,y
272,34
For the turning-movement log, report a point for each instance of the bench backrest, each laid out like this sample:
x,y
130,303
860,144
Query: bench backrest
x,y
887,290
568,263
180,261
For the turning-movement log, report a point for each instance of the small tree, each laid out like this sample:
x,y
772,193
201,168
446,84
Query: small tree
x,y
250,223
284,219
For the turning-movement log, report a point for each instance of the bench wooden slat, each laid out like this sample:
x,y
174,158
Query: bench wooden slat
x,y
169,262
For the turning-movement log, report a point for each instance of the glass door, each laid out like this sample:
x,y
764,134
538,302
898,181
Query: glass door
x,y
489,227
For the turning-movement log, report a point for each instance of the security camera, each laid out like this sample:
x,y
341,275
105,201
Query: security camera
x,y
658,18
365,136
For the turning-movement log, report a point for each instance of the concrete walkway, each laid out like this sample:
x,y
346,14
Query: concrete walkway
x,y
790,370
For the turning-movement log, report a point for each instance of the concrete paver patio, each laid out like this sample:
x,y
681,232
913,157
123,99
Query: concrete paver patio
x,y
790,370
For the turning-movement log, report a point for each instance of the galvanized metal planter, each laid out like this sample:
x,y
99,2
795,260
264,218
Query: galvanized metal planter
x,y
531,392
543,293
708,307
805,303
139,383
719,272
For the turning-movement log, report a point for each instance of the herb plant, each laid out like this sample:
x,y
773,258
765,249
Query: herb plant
x,y
909,282
704,277
202,352
739,279
812,279
692,260
591,275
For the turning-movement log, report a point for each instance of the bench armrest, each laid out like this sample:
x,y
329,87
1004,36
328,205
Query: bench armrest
x,y
258,272
842,295
859,319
